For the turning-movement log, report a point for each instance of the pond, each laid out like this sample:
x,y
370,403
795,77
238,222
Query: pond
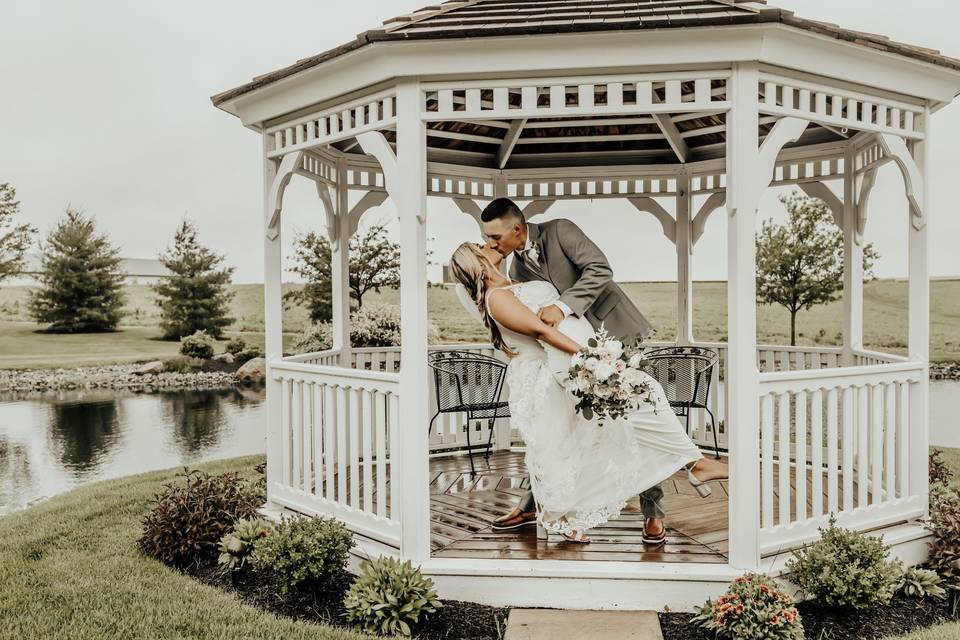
x,y
52,442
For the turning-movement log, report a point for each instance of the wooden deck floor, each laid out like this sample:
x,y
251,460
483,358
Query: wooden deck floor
x,y
462,507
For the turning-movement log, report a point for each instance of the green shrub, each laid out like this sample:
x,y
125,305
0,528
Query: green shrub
x,y
252,351
199,345
181,364
753,608
304,553
191,517
388,596
939,472
944,524
921,583
237,546
846,569
235,345
375,325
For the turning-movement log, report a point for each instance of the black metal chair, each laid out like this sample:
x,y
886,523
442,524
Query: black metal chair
x,y
469,383
685,374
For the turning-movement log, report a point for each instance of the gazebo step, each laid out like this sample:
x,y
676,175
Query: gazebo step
x,y
549,624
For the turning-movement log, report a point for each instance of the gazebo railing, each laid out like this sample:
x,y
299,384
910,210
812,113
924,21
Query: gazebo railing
x,y
337,430
837,441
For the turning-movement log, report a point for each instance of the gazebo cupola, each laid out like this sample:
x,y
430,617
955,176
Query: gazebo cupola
x,y
681,107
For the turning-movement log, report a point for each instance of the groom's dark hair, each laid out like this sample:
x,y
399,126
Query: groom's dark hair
x,y
502,208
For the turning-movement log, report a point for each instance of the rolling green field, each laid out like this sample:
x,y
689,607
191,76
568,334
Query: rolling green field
x,y
885,303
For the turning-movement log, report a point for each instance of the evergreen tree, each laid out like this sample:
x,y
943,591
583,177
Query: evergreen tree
x,y
194,297
14,242
80,279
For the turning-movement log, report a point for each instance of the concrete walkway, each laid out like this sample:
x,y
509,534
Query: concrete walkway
x,y
552,624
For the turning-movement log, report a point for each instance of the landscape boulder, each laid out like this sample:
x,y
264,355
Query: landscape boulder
x,y
253,371
150,368
226,358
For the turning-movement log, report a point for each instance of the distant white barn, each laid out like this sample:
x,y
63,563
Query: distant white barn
x,y
135,271
700,105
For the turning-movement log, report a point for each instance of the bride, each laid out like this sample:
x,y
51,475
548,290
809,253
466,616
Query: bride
x,y
582,474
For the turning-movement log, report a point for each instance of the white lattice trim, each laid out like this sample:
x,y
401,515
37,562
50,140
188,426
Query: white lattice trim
x,y
336,123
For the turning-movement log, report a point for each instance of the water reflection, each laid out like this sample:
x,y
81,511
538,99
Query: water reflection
x,y
50,442
83,432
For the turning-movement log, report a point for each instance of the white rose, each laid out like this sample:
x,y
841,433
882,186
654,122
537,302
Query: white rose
x,y
583,383
591,363
614,347
635,360
576,359
603,371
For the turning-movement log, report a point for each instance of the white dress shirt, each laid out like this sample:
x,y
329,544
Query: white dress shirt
x,y
559,304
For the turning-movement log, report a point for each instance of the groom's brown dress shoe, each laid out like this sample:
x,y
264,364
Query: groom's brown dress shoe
x,y
654,533
514,520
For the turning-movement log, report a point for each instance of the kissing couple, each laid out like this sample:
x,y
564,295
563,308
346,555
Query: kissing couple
x,y
560,291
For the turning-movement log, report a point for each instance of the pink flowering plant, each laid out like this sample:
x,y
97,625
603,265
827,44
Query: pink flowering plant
x,y
753,608
608,379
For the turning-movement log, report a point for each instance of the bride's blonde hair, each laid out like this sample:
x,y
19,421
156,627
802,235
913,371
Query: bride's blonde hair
x,y
469,266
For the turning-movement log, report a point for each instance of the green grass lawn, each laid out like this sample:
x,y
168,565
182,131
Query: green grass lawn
x,y
70,568
946,631
885,304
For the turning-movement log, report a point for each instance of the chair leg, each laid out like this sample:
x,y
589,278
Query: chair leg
x,y
473,471
430,426
489,438
713,426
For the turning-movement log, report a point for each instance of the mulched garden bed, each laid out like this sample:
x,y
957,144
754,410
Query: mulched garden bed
x,y
903,615
454,621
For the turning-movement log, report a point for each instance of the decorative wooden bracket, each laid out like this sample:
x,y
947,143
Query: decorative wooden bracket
x,y
471,208
330,211
649,205
285,171
375,144
785,131
896,148
867,181
822,192
537,207
699,223
369,200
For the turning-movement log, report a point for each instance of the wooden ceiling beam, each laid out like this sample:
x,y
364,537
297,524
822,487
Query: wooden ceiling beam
x,y
510,141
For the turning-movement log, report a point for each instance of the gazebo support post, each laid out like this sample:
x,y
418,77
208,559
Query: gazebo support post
x,y
742,374
340,268
272,313
684,246
852,262
919,319
409,193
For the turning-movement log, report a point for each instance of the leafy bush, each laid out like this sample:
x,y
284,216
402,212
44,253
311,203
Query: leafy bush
x,y
939,471
846,569
304,553
921,583
242,351
181,364
237,546
235,345
375,325
944,524
191,517
389,595
198,345
753,608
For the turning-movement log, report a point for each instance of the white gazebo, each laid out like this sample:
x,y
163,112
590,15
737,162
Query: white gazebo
x,y
687,106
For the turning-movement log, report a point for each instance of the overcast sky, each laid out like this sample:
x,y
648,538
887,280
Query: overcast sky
x,y
105,105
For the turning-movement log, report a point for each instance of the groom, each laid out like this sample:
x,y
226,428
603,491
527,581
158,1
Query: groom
x,y
560,253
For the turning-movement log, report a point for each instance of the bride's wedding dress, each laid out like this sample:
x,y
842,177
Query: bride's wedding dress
x,y
582,474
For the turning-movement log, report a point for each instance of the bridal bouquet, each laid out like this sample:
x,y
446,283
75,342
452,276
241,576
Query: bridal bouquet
x,y
608,379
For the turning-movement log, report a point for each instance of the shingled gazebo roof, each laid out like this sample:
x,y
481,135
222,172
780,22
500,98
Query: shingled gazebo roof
x,y
487,18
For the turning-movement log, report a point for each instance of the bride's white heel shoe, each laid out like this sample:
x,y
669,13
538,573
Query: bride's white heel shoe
x,y
702,486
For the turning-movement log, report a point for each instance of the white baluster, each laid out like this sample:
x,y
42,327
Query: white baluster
x,y
355,419
903,437
367,426
876,442
848,447
330,441
316,429
766,458
863,451
890,429
287,431
800,436
816,451
395,470
343,444
783,461
833,446
380,419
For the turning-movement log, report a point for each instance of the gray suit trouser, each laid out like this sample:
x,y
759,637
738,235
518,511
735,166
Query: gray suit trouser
x,y
650,502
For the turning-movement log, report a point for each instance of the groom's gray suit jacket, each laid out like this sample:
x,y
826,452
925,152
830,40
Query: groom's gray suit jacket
x,y
580,272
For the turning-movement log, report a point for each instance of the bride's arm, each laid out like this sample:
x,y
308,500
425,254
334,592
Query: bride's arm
x,y
514,315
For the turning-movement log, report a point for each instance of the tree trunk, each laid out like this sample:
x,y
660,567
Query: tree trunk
x,y
793,327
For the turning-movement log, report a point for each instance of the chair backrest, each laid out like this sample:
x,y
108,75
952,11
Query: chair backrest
x,y
684,373
466,380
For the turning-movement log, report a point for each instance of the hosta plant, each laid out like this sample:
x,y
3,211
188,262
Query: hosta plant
x,y
753,608
304,553
846,569
921,583
237,546
190,517
388,596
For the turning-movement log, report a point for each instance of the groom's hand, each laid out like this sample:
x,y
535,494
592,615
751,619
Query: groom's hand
x,y
551,315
